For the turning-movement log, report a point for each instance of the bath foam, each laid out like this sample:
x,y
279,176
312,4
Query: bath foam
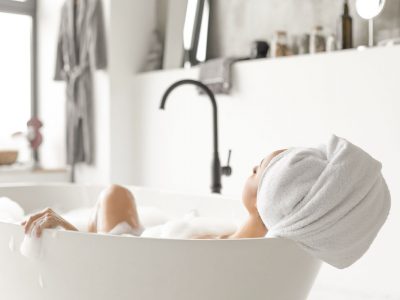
x,y
151,216
124,228
79,218
31,247
10,211
192,226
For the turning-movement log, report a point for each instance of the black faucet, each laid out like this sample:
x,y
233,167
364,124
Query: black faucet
x,y
217,170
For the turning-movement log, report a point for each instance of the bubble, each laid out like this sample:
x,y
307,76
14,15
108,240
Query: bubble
x,y
10,211
31,247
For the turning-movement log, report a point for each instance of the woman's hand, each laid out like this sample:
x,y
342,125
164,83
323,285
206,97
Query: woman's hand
x,y
43,220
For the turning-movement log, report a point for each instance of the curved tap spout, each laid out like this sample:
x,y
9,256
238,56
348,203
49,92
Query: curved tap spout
x,y
217,171
210,96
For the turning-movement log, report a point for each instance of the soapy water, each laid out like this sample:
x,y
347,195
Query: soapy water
x,y
125,229
79,217
31,247
10,211
190,226
149,217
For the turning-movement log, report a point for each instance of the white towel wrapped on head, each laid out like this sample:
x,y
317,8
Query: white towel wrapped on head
x,y
331,200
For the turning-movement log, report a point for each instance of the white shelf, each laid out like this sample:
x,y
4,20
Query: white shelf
x,y
192,72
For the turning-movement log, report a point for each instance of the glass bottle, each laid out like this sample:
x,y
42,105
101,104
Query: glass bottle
x,y
317,40
347,27
279,45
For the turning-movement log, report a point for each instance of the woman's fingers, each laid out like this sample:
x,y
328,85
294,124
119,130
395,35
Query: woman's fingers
x,y
45,222
31,220
28,224
34,226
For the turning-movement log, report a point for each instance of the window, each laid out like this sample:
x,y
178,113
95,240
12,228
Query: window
x,y
17,67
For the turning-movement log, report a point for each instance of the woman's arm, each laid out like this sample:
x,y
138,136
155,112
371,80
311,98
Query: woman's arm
x,y
44,220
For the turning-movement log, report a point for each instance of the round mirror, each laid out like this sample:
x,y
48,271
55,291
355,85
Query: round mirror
x,y
369,9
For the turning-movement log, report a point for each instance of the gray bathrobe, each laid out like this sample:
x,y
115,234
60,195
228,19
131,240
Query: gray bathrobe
x,y
81,49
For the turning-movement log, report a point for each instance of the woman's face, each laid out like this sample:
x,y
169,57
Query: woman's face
x,y
251,185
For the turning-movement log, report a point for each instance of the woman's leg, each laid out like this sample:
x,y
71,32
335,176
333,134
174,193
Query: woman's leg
x,y
115,205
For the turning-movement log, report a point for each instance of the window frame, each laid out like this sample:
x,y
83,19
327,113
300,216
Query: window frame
x,y
27,8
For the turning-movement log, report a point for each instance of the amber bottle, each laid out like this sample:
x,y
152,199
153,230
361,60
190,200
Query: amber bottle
x,y
347,27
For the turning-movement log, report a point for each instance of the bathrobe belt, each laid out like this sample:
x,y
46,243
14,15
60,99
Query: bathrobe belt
x,y
76,72
73,76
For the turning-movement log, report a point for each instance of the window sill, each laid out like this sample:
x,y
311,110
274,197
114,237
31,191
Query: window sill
x,y
24,173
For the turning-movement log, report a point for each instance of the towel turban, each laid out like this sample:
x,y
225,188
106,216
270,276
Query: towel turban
x,y
331,200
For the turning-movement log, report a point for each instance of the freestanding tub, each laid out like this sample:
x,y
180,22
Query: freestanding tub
x,y
88,266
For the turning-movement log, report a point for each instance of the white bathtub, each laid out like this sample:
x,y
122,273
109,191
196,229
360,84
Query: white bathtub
x,y
89,266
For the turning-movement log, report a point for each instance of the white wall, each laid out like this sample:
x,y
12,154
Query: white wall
x,y
132,23
296,101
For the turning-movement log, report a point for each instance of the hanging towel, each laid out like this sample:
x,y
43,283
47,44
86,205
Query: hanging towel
x,y
81,49
216,74
331,200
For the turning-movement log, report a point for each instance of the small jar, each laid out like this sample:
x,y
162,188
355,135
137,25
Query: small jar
x,y
331,43
279,45
317,40
304,44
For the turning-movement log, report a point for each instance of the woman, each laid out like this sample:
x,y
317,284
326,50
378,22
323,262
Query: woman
x,y
116,205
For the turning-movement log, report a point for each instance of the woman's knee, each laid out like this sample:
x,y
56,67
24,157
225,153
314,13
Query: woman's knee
x,y
117,205
115,196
